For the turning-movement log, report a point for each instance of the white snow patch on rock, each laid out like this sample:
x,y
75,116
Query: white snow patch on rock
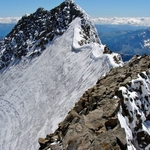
x,y
136,98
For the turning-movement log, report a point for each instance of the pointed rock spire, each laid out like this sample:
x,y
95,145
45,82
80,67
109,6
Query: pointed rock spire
x,y
69,1
40,28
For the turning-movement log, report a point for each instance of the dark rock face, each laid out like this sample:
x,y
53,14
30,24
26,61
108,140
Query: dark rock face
x,y
32,33
93,122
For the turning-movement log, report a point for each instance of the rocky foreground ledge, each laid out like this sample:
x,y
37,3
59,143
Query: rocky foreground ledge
x,y
93,122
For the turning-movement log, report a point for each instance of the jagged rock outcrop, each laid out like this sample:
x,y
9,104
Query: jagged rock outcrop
x,y
135,109
33,33
93,122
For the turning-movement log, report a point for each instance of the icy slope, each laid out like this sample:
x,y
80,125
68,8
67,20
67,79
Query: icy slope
x,y
36,94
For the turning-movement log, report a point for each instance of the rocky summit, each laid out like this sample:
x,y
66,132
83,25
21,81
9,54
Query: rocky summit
x,y
34,32
95,123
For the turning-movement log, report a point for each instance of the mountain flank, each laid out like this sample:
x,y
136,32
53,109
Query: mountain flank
x,y
47,62
93,122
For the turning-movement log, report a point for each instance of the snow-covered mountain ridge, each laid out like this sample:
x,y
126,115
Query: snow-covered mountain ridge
x,y
47,61
33,32
113,114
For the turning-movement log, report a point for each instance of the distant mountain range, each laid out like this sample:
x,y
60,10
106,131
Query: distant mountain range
x,y
125,39
5,28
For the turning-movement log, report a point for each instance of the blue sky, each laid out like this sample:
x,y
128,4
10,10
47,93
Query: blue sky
x,y
95,8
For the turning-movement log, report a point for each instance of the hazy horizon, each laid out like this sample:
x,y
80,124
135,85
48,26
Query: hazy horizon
x,y
114,12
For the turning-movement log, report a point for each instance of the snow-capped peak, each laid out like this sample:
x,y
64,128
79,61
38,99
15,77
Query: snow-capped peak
x,y
33,32
70,1
37,92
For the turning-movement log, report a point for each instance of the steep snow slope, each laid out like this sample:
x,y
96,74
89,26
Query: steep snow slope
x,y
36,93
